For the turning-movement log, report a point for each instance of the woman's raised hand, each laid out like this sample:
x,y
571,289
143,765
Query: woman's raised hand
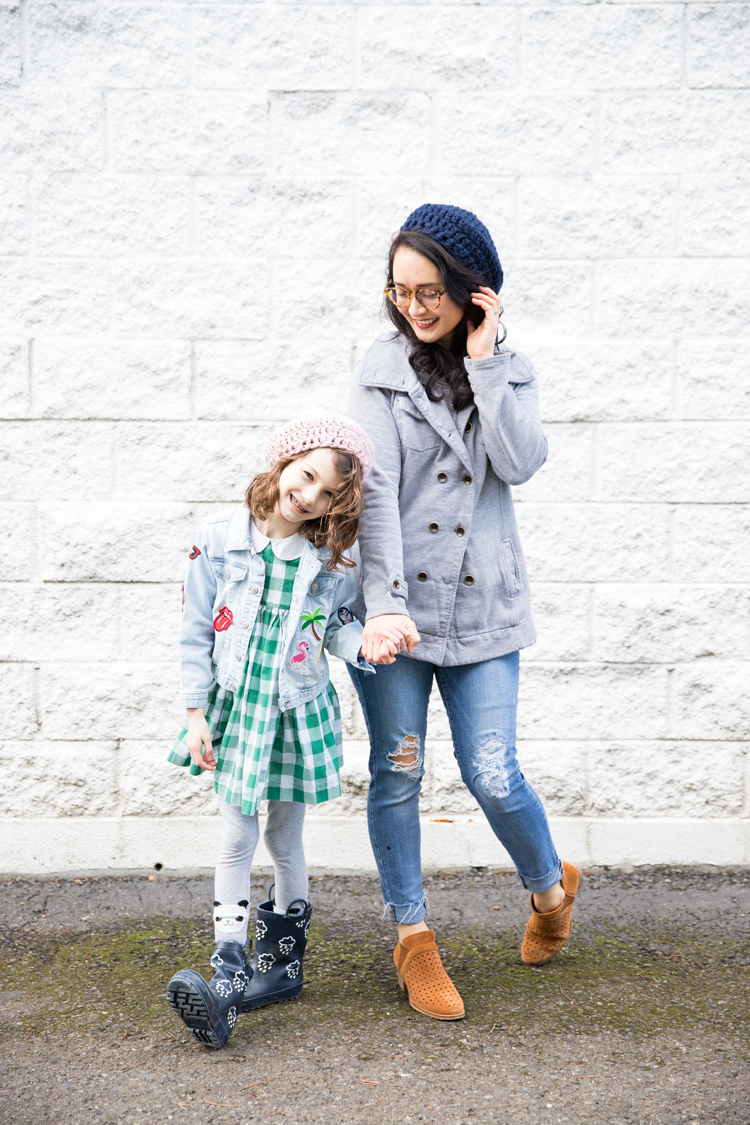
x,y
385,636
480,342
198,738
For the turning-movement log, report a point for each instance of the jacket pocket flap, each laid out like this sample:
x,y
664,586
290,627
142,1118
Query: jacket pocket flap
x,y
228,573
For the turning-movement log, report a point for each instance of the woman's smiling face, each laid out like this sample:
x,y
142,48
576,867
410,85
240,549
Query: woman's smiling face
x,y
307,485
432,326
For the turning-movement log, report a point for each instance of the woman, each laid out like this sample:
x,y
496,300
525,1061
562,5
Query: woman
x,y
454,419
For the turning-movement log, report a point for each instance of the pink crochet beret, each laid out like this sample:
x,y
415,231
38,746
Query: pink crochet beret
x,y
315,433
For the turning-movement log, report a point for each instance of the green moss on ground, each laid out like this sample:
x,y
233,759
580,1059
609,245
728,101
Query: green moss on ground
x,y
608,980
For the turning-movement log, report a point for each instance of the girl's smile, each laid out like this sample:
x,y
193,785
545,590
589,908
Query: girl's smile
x,y
306,488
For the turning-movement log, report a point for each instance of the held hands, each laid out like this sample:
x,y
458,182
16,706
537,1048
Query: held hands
x,y
385,636
199,739
480,342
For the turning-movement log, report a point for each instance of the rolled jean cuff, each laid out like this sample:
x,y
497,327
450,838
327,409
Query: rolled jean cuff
x,y
407,913
538,886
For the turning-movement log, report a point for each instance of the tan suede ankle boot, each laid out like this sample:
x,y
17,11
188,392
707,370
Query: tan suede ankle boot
x,y
546,934
420,972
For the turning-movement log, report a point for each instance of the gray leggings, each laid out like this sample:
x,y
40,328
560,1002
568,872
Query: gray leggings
x,y
237,844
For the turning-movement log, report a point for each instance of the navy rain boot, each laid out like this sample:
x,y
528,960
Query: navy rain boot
x,y
280,942
210,1010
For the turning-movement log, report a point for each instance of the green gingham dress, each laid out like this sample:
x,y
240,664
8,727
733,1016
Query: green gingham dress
x,y
263,753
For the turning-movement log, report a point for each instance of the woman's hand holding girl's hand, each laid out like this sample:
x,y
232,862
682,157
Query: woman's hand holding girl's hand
x,y
198,738
385,636
480,342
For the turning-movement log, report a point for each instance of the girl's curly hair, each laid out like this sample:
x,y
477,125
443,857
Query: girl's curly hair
x,y
337,529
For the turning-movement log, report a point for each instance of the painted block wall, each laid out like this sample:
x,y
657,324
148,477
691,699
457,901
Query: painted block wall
x,y
195,202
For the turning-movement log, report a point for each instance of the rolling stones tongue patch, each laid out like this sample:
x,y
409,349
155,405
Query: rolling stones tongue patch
x,y
345,615
223,619
194,553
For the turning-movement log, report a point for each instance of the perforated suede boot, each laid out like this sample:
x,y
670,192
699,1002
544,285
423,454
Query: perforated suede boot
x,y
210,1010
280,943
421,974
546,934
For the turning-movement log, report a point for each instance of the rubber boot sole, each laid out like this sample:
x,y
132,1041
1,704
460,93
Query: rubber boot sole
x,y
272,998
185,999
432,1015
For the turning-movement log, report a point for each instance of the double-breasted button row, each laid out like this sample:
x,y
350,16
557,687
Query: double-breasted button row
x,y
423,576
466,478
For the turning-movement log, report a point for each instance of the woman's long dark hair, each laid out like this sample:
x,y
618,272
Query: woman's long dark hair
x,y
433,363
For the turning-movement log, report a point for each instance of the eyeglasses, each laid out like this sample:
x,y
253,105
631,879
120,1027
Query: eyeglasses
x,y
402,298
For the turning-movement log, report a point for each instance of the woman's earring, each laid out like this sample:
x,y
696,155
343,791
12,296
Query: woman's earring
x,y
501,325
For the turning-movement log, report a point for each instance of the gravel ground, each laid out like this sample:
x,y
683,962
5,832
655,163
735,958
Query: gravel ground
x,y
642,1018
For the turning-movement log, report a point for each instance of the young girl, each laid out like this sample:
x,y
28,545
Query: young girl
x,y
267,591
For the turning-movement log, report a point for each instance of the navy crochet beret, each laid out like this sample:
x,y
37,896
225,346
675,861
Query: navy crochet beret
x,y
462,234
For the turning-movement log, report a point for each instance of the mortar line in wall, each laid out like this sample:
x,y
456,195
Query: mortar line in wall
x,y
671,521
193,385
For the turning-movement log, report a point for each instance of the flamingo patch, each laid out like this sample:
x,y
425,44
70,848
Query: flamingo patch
x,y
300,657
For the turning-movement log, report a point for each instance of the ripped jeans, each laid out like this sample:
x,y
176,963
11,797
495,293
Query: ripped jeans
x,y
481,702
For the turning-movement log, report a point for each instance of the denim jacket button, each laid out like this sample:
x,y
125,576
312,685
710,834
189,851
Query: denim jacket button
x,y
314,587
238,656
245,624
253,589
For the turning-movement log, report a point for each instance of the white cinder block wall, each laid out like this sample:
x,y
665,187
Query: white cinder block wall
x,y
195,201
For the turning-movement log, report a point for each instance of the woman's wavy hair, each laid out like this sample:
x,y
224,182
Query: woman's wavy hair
x,y
337,529
433,363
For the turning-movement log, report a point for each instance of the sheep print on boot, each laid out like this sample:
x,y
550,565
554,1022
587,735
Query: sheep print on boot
x,y
280,943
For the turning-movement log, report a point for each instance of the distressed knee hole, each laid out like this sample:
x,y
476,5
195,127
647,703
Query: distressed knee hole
x,y
407,757
491,764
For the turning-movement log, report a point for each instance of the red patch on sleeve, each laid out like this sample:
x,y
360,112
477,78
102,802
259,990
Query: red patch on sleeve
x,y
223,619
194,553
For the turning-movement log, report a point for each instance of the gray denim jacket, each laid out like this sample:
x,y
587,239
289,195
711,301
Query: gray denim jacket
x,y
222,592
438,537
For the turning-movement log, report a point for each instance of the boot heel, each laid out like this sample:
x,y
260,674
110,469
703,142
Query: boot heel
x,y
401,984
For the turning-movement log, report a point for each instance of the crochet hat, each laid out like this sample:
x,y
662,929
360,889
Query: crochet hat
x,y
330,432
462,235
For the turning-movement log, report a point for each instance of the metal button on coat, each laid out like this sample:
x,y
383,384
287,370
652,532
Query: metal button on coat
x,y
422,576
469,427
460,530
434,527
396,584
467,479
469,580
442,477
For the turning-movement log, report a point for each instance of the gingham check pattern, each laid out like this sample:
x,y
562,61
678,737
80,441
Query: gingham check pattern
x,y
263,753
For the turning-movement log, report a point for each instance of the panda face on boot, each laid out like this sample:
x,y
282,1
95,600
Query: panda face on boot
x,y
231,919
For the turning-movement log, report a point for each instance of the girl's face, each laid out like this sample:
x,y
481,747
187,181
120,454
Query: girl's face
x,y
307,485
432,326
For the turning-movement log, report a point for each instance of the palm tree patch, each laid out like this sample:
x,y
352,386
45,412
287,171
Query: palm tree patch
x,y
313,618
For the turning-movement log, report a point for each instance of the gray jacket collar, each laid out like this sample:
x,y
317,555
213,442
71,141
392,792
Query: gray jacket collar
x,y
387,365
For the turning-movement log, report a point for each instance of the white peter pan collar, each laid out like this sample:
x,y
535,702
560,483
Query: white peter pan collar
x,y
286,549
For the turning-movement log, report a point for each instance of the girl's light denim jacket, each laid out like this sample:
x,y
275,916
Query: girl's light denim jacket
x,y
224,584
